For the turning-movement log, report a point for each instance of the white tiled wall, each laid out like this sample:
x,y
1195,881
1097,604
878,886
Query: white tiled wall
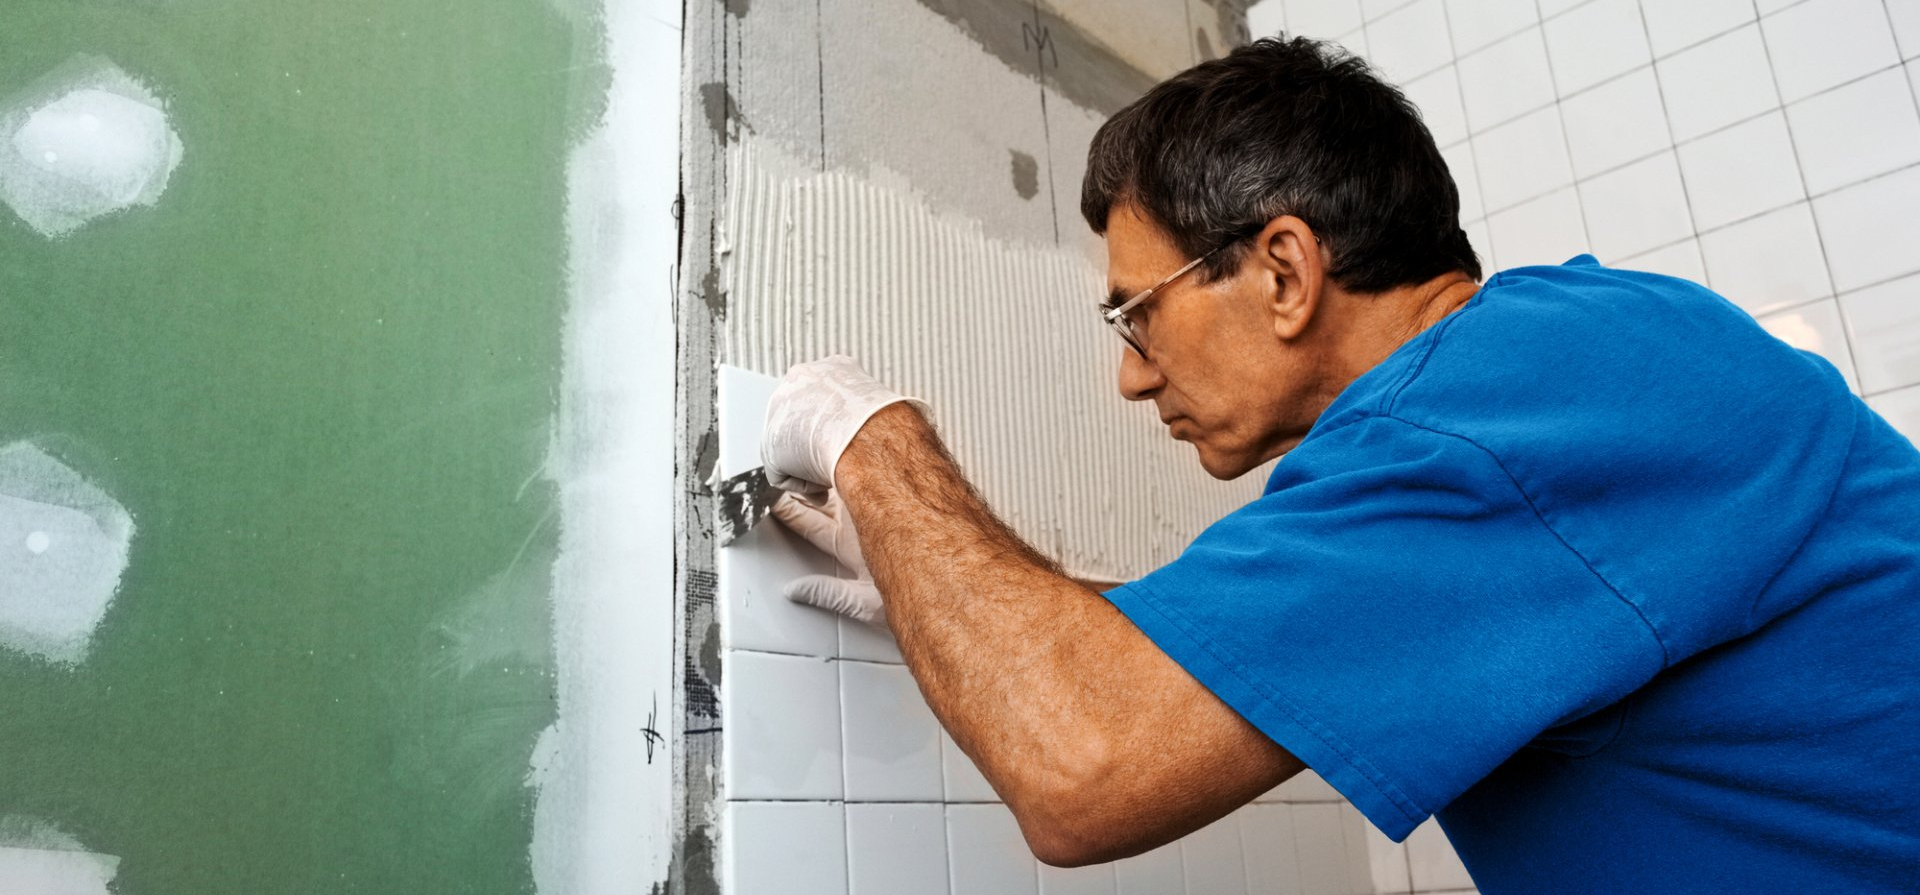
x,y
838,779
1768,148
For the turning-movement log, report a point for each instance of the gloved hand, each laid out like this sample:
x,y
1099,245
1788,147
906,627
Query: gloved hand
x,y
829,527
813,416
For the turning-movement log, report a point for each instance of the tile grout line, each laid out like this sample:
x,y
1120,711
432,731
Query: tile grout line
x,y
1560,122
1473,155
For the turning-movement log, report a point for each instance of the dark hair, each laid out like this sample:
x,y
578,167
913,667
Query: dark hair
x,y
1285,126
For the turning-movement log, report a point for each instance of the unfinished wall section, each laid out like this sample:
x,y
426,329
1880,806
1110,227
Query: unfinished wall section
x,y
899,180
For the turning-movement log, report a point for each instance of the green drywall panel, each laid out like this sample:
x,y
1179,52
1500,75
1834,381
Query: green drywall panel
x,y
320,373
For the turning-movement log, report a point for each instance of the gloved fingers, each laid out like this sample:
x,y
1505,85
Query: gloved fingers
x,y
857,600
815,522
813,415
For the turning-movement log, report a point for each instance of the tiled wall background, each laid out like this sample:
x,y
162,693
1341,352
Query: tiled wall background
x,y
1767,148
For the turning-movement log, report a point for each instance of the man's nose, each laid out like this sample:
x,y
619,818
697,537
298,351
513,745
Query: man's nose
x,y
1139,378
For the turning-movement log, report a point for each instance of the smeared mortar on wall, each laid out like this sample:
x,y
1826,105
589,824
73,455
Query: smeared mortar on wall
x,y
1002,338
63,546
39,858
1080,67
83,141
604,770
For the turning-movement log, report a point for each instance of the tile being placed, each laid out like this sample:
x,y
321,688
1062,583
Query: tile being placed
x,y
1410,41
782,736
1547,230
964,782
1901,409
1870,230
1636,208
1478,23
1817,328
986,853
1615,123
1674,25
1506,80
1522,159
1595,42
1824,43
1884,322
1158,872
1273,864
1214,860
753,570
785,848
1769,262
1433,862
1096,879
1682,259
897,849
1741,171
891,740
1717,83
1851,133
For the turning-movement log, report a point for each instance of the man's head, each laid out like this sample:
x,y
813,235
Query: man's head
x,y
1326,207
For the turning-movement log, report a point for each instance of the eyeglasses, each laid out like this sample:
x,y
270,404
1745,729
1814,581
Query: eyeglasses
x,y
1116,316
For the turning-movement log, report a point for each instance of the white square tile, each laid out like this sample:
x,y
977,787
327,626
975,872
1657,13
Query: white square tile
x,y
1506,80
1901,409
1870,229
1884,322
892,741
1717,83
1522,159
1816,327
1676,24
784,848
1322,847
1374,857
1093,880
1437,95
1595,42
1768,7
897,849
1459,159
782,734
1636,208
1410,41
1482,240
1273,865
1323,18
1769,262
1547,230
987,854
1374,9
1615,123
1741,171
963,781
1308,786
1477,23
1682,259
1354,42
1851,133
1824,43
1266,18
1158,872
859,640
1214,861
1432,860
1905,15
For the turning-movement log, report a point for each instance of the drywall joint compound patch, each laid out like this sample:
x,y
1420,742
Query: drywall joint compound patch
x,y
63,547
84,141
37,857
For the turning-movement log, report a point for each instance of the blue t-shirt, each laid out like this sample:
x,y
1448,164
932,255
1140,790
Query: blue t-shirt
x,y
1621,588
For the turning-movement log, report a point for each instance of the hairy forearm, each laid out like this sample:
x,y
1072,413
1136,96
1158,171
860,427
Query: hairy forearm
x,y
1078,720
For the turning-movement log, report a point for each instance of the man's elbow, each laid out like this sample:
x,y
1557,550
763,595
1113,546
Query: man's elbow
x,y
1067,818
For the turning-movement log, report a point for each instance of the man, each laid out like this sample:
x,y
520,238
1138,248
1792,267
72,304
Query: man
x,y
1580,560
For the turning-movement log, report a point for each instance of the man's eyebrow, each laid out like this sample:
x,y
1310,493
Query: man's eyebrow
x,y
1116,297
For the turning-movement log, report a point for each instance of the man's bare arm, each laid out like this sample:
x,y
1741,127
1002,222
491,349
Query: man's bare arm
x,y
1101,745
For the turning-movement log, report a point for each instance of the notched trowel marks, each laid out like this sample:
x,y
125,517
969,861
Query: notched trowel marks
x,y
1026,174
63,546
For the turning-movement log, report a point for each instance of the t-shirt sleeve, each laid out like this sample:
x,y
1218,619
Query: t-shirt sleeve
x,y
1394,613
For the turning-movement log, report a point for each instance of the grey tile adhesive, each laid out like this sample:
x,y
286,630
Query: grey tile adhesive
x,y
1001,338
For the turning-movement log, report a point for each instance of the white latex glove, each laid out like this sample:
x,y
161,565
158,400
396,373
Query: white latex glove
x,y
813,416
829,527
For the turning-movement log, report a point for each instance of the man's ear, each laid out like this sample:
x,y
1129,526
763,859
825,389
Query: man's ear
x,y
1293,265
